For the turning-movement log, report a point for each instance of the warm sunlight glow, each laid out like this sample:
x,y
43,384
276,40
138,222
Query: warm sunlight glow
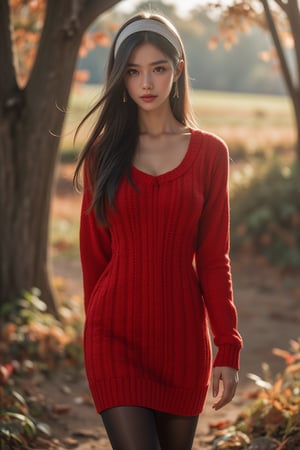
x,y
183,8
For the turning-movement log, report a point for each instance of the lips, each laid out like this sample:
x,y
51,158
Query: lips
x,y
148,98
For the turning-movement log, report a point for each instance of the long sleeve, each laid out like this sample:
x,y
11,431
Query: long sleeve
x,y
95,245
212,259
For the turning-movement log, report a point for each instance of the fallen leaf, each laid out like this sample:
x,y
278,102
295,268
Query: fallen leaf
x,y
5,373
235,439
66,389
78,400
219,425
61,408
70,442
44,428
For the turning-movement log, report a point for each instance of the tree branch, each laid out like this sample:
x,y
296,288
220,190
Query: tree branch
x,y
281,4
69,19
72,24
7,71
91,9
283,62
57,52
293,14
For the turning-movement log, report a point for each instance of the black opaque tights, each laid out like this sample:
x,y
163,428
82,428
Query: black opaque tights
x,y
137,428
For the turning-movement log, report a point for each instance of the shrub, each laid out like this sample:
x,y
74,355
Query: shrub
x,y
265,212
17,428
29,332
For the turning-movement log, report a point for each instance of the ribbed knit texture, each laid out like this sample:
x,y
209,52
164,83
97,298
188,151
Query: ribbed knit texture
x,y
151,280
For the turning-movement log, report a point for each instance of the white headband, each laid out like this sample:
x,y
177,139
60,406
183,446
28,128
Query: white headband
x,y
149,25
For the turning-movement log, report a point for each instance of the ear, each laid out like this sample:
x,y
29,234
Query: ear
x,y
179,69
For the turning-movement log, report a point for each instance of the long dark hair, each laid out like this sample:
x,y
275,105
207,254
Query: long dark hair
x,y
109,151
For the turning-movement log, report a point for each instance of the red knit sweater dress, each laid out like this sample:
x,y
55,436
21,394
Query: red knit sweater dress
x,y
153,278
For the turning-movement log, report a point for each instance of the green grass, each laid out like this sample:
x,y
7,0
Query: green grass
x,y
231,109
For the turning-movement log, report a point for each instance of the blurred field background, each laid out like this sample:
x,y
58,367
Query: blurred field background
x,y
249,121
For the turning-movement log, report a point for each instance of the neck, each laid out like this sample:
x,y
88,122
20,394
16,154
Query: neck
x,y
154,123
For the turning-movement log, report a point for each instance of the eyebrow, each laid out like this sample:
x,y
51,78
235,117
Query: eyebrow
x,y
154,63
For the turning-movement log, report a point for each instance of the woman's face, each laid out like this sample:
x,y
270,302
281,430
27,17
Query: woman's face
x,y
149,77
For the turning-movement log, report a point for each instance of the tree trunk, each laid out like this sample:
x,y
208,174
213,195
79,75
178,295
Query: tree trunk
x,y
297,120
31,121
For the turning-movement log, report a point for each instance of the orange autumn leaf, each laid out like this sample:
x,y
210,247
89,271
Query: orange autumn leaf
x,y
5,372
287,39
8,330
213,43
101,38
265,56
277,386
287,356
293,368
81,76
221,424
295,345
27,24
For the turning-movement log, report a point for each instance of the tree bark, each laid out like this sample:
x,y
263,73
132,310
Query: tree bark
x,y
291,10
30,125
297,120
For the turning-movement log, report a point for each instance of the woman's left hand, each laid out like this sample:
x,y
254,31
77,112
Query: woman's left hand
x,y
230,379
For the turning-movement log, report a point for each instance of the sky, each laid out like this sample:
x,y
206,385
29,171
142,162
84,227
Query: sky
x,y
182,6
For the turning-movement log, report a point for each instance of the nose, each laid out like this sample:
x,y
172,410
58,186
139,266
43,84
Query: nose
x,y
146,82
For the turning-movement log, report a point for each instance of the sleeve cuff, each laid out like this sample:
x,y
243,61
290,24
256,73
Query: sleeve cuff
x,y
228,356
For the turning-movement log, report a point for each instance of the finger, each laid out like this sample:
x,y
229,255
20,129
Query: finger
x,y
215,383
229,389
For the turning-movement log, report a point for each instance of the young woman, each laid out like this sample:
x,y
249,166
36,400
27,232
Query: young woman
x,y
154,248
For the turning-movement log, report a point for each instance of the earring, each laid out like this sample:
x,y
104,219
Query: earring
x,y
176,91
124,99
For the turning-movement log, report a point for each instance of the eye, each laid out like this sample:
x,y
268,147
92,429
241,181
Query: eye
x,y
132,72
160,69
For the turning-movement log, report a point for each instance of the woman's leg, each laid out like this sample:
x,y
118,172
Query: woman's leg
x,y
175,432
131,428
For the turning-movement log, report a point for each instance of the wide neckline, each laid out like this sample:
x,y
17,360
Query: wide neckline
x,y
176,171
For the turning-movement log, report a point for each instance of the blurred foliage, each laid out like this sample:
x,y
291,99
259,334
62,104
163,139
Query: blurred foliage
x,y
239,68
265,212
30,332
27,20
272,419
32,340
